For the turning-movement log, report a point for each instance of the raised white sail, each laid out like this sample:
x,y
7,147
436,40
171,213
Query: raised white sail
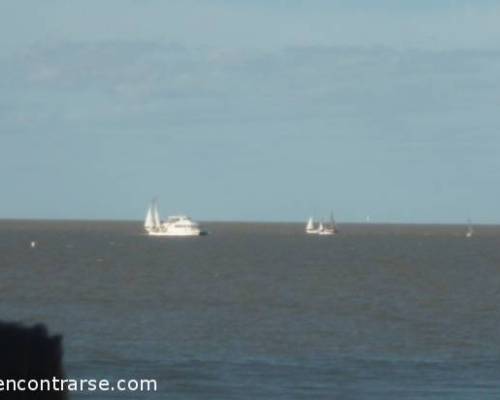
x,y
149,221
156,215
310,224
470,229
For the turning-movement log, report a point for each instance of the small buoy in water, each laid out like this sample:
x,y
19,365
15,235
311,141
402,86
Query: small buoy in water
x,y
33,244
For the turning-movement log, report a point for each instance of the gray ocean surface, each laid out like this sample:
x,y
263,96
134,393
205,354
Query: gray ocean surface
x,y
262,311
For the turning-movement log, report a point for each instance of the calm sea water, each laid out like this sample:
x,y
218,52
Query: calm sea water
x,y
262,311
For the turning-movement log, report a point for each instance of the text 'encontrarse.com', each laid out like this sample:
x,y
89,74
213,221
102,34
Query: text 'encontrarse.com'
x,y
78,385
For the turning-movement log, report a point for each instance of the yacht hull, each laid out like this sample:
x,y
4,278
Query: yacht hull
x,y
177,234
328,233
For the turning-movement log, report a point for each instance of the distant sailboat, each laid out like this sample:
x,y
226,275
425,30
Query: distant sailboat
x,y
333,225
331,229
310,226
321,229
470,230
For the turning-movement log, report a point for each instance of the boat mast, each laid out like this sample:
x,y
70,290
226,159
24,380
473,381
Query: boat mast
x,y
156,214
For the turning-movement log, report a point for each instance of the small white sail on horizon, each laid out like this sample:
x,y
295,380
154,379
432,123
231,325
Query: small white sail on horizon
x,y
310,225
470,229
156,215
149,221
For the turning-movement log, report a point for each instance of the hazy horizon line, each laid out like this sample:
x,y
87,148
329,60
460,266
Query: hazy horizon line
x,y
234,221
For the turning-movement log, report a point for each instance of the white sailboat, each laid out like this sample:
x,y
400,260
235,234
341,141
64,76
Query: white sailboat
x,y
331,229
177,225
321,228
470,230
310,229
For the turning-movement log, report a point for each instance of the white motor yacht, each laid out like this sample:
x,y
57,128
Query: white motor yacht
x,y
177,225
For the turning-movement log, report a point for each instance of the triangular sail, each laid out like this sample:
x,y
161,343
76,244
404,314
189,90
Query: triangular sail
x,y
470,229
320,227
310,224
149,222
156,215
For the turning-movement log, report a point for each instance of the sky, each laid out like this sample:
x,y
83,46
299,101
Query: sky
x,y
251,110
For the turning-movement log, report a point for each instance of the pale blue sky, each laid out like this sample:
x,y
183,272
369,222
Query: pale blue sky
x,y
251,110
